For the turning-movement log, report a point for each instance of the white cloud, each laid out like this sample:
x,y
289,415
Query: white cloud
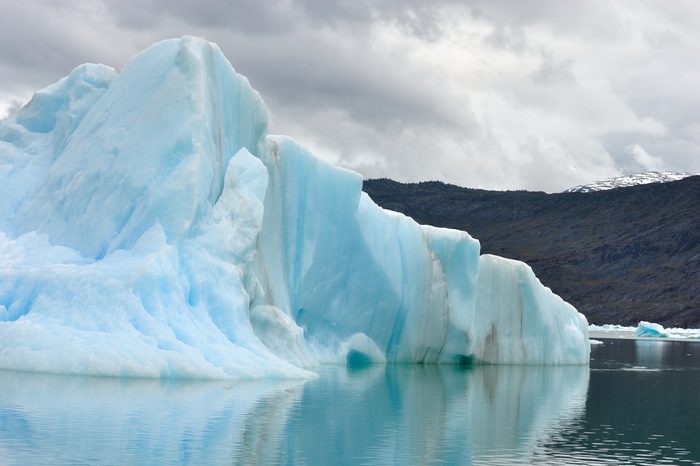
x,y
645,160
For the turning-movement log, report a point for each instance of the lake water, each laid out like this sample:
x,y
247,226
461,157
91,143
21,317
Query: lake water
x,y
638,403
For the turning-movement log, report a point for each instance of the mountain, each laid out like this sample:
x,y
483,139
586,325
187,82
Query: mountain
x,y
620,255
629,180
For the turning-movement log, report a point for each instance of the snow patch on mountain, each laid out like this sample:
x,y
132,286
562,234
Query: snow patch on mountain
x,y
629,180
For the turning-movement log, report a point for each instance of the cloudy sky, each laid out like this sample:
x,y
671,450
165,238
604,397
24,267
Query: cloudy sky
x,y
500,94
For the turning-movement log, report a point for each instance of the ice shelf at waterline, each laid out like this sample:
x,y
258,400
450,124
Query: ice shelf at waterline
x,y
149,226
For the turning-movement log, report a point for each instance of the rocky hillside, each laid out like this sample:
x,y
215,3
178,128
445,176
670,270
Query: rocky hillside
x,y
619,256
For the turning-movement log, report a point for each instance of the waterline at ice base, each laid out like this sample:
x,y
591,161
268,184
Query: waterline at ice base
x,y
150,227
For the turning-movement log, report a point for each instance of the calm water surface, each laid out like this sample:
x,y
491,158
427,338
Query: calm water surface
x,y
639,403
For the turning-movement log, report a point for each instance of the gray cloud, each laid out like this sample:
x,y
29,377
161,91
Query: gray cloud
x,y
500,94
251,17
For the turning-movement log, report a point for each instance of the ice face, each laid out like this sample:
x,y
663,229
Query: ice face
x,y
539,326
150,227
344,267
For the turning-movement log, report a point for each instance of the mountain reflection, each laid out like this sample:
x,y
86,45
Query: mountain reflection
x,y
399,414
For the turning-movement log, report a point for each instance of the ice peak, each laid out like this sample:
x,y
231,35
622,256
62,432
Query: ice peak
x,y
71,95
161,133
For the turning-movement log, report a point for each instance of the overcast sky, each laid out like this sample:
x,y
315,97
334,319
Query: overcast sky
x,y
505,94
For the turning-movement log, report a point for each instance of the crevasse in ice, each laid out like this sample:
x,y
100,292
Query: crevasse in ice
x,y
149,226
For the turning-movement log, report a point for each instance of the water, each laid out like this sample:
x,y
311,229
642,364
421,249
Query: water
x,y
639,403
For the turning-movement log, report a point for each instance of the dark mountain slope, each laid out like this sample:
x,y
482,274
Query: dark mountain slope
x,y
619,256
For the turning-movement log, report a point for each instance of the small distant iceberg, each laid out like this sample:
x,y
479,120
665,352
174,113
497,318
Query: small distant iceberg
x,y
650,330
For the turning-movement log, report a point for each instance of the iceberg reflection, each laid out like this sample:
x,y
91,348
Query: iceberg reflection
x,y
395,414
49,419
414,414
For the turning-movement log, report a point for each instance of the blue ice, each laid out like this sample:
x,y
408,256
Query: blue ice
x,y
149,226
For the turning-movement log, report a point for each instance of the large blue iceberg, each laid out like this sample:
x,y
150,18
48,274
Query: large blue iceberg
x,y
150,227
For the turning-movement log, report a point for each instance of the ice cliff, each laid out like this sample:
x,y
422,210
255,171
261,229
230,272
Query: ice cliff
x,y
149,226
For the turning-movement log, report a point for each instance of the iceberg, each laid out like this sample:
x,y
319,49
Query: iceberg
x,y
150,227
650,330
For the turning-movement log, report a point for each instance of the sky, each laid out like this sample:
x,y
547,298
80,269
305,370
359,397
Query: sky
x,y
498,94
